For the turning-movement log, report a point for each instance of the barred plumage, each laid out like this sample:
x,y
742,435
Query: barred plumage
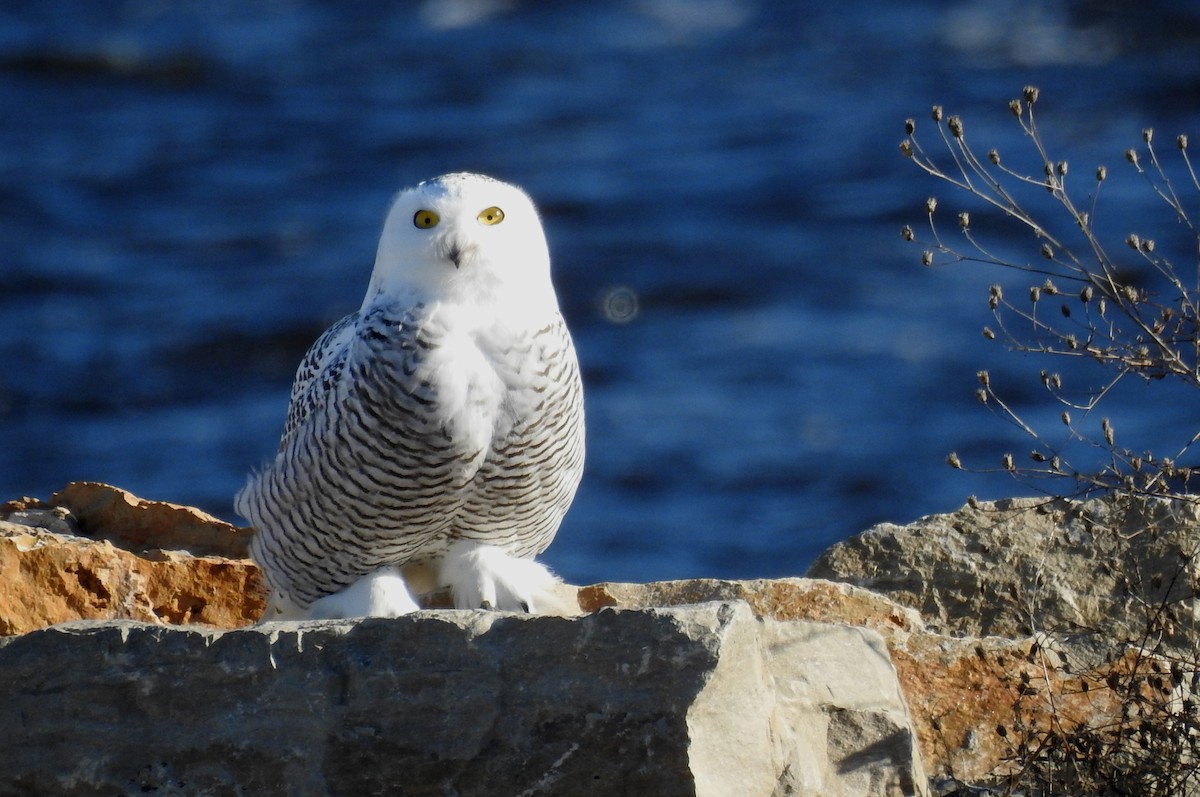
x,y
440,426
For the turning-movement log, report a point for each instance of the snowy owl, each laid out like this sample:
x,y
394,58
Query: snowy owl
x,y
435,437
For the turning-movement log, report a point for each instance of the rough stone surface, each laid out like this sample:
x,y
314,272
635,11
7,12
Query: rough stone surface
x,y
106,512
778,599
96,552
998,617
698,700
1033,565
960,690
1042,612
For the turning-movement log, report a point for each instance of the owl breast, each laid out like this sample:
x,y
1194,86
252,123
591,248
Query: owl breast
x,y
535,460
509,404
422,430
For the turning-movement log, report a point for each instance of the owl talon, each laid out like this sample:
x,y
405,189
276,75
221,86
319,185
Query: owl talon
x,y
382,593
487,577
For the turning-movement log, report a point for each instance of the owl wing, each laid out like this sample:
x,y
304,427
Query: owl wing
x,y
318,373
369,472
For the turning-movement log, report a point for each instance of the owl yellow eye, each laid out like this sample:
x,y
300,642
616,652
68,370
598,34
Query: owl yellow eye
x,y
492,215
424,219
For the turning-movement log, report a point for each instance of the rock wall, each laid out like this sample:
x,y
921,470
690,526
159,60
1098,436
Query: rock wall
x,y
934,649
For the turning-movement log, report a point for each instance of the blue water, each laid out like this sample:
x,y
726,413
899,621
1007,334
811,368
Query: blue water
x,y
190,193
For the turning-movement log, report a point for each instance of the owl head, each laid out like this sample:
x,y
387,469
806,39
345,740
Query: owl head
x,y
463,238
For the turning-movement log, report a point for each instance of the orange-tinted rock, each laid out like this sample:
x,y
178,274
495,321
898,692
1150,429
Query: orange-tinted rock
x,y
134,564
779,599
107,512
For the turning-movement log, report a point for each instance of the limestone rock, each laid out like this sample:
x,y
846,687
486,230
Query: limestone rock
x,y
697,700
96,552
1045,614
1023,566
966,695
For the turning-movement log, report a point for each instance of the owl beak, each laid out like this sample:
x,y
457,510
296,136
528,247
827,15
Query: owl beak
x,y
458,254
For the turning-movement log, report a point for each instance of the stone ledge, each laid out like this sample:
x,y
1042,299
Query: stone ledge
x,y
698,700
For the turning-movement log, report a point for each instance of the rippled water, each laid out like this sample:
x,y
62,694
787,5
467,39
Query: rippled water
x,y
192,192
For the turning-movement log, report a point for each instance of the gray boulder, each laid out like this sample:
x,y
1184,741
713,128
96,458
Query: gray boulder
x,y
694,700
1114,569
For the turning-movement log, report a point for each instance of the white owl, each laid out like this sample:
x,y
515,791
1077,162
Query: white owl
x,y
435,437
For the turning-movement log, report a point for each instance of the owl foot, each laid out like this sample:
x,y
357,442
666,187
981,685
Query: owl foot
x,y
382,593
485,577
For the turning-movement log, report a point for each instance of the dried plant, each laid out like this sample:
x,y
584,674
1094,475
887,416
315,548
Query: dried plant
x,y
1111,314
1133,316
1143,737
